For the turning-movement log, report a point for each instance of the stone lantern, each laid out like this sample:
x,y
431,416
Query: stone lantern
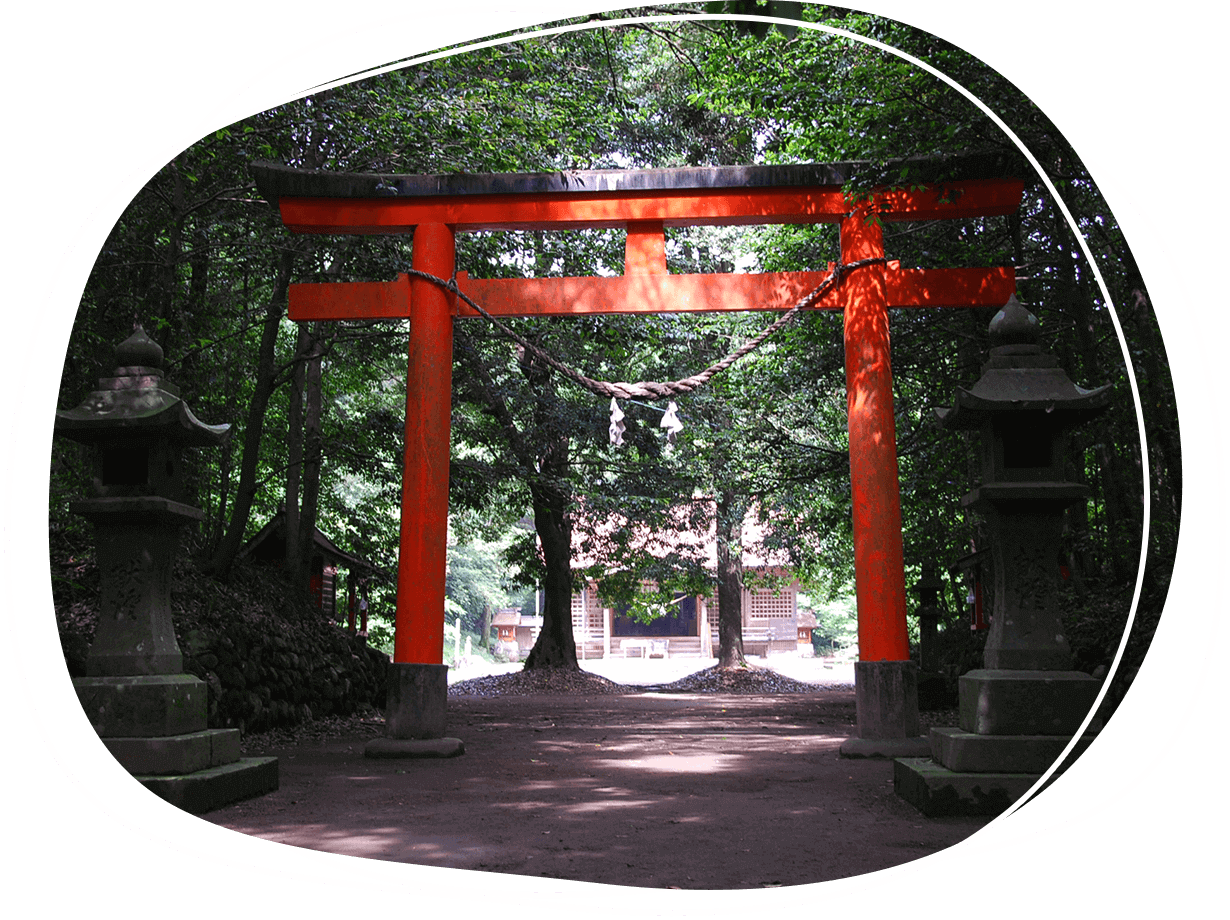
x,y
1022,708
149,714
1023,407
931,684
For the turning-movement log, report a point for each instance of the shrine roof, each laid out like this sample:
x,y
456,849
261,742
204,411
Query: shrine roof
x,y
275,181
269,544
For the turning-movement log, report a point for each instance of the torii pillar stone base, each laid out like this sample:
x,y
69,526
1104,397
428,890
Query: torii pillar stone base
x,y
415,714
886,700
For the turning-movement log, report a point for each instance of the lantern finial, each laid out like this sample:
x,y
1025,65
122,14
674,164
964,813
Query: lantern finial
x,y
1014,325
138,350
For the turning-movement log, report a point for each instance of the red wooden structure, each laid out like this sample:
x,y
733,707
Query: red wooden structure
x,y
435,208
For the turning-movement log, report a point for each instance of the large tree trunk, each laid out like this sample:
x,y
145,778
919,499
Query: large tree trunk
x,y
1159,408
555,646
294,458
304,447
218,523
266,369
1121,524
312,450
730,580
545,460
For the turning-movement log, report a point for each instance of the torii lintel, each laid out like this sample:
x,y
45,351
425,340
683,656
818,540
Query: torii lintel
x,y
319,202
952,287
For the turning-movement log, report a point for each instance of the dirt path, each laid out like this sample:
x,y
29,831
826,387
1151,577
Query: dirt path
x,y
653,790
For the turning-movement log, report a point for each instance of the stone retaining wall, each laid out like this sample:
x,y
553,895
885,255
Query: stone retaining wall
x,y
259,681
266,664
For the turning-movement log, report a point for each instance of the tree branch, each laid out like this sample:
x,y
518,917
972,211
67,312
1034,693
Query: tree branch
x,y
491,399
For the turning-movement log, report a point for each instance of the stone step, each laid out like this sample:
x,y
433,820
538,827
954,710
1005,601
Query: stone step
x,y
967,752
176,754
206,790
937,791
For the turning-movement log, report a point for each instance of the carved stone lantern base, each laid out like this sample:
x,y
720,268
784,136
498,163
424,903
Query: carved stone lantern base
x,y
148,714
1020,710
1013,725
155,726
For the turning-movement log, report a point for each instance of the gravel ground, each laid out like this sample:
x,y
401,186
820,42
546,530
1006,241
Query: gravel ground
x,y
706,680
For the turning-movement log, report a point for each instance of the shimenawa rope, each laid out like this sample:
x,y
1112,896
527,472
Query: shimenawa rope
x,y
651,389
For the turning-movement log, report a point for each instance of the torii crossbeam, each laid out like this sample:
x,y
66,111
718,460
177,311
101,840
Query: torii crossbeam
x,y
643,202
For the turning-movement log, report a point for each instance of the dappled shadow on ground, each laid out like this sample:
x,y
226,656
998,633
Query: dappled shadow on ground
x,y
653,790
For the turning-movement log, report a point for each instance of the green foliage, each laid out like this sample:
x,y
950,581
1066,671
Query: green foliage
x,y
836,621
380,633
195,257
479,581
774,8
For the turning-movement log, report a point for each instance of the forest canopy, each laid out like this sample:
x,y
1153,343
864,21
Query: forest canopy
x,y
203,263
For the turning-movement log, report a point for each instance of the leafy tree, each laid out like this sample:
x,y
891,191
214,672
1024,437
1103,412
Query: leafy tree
x,y
203,262
824,97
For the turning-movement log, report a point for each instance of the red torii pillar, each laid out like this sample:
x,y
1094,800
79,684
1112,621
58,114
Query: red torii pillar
x,y
886,681
878,562
887,701
419,635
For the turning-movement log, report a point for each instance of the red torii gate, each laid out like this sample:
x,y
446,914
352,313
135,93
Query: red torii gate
x,y
435,208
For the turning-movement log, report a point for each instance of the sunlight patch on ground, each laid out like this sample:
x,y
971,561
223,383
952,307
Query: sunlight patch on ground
x,y
678,763
586,808
388,842
533,806
540,785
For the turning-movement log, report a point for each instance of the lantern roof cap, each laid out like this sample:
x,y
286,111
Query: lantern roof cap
x,y
1020,377
137,402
